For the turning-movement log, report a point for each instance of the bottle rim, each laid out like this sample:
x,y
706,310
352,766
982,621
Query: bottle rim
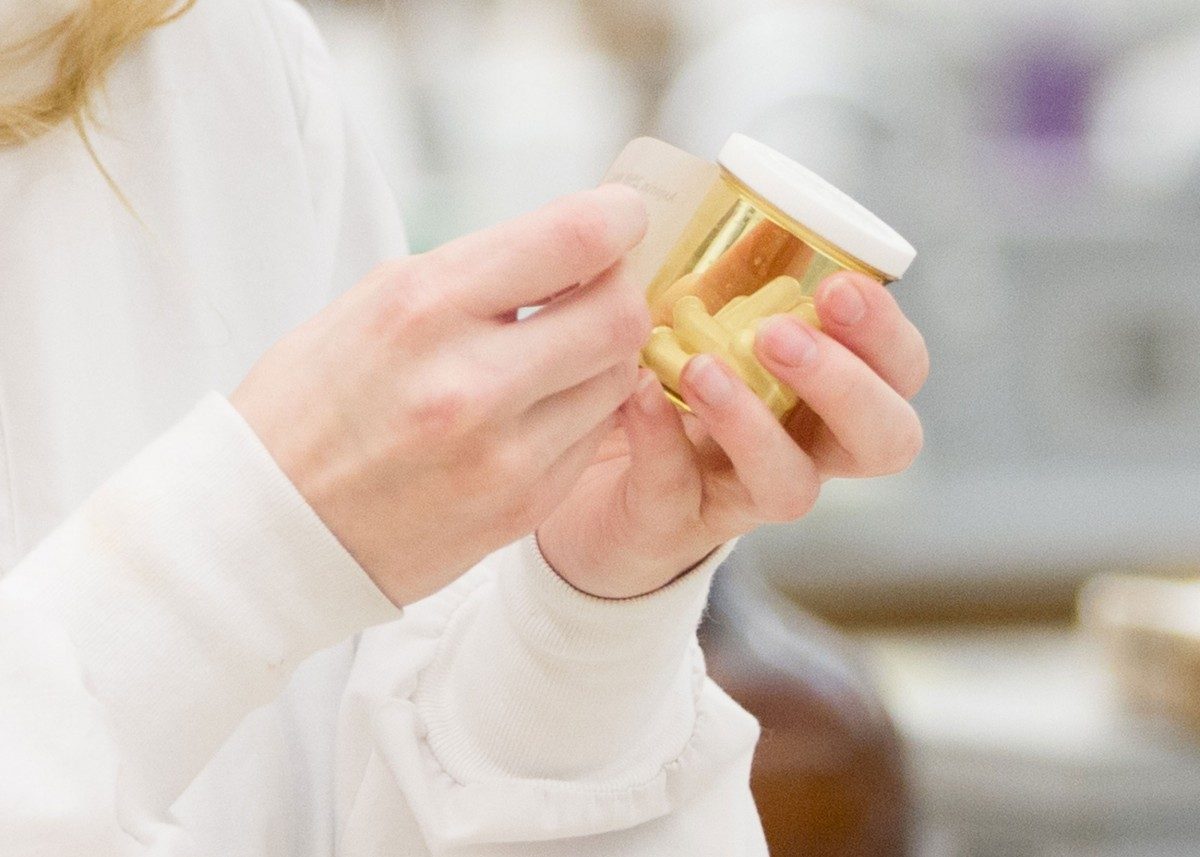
x,y
850,232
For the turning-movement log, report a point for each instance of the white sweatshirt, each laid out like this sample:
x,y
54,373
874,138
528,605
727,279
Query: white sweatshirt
x,y
190,663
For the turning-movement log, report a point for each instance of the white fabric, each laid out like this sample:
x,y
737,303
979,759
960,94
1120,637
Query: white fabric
x,y
225,133
181,668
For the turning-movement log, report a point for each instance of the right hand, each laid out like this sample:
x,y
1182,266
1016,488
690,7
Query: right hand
x,y
424,424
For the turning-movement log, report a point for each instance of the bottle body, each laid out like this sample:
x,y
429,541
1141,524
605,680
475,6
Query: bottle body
x,y
738,261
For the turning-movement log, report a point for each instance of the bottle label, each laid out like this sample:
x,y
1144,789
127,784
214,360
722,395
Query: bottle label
x,y
674,185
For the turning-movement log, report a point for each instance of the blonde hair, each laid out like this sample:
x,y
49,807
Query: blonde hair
x,y
89,42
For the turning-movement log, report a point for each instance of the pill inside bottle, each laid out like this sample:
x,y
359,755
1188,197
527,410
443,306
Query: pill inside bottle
x,y
738,242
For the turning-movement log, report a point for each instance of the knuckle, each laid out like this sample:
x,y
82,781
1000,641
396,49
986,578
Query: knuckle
x,y
410,301
445,410
493,384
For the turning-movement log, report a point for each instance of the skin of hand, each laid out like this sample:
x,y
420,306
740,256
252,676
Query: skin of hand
x,y
667,488
425,424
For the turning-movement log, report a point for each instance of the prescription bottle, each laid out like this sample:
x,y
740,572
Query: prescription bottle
x,y
732,243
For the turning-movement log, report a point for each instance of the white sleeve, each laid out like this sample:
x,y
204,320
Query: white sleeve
x,y
508,716
133,640
358,221
512,714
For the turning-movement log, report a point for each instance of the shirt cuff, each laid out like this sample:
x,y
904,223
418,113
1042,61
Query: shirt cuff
x,y
556,617
536,679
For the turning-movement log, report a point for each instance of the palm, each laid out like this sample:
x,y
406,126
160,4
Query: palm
x,y
607,506
593,509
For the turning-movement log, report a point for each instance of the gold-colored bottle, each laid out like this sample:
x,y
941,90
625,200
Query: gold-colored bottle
x,y
732,243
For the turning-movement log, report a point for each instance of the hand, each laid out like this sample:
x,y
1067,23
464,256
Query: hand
x,y
426,425
667,488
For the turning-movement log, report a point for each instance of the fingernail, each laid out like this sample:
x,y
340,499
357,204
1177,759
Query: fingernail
x,y
709,380
788,341
649,394
843,302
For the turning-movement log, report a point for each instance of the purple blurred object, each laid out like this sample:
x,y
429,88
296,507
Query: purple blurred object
x,y
1046,88
1052,92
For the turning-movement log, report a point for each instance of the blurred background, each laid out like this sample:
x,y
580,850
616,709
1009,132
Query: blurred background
x,y
915,646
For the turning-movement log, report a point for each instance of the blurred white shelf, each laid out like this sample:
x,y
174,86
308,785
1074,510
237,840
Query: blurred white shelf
x,y
1000,528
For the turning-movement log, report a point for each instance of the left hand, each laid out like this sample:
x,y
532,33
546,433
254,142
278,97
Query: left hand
x,y
666,488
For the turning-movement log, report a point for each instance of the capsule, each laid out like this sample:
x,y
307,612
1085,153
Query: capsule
x,y
781,400
727,232
776,395
806,312
662,306
747,366
777,296
665,356
698,331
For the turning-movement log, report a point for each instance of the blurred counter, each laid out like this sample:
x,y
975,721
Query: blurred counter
x,y
1019,746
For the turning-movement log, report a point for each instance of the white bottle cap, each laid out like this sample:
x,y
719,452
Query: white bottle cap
x,y
817,205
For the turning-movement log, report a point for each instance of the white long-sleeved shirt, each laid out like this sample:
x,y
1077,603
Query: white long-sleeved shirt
x,y
190,663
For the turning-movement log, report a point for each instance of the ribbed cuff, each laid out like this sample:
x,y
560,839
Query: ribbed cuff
x,y
535,679
566,623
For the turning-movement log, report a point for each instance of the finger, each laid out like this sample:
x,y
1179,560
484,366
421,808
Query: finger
x,y
780,478
871,421
528,259
573,339
558,422
664,477
864,316
564,471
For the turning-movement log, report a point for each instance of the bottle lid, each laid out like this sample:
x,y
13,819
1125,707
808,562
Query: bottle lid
x,y
817,205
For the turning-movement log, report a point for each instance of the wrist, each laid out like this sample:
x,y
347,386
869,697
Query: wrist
x,y
620,573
